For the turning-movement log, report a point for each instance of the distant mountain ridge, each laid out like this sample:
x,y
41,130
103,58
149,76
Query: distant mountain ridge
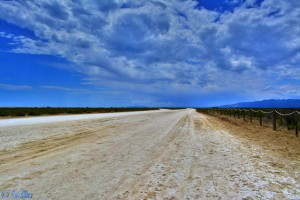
x,y
271,103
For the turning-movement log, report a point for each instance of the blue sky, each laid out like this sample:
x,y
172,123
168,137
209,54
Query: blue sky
x,y
148,53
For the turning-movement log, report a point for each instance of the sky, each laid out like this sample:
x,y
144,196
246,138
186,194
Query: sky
x,y
154,53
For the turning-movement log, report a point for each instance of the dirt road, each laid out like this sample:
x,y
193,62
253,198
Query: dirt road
x,y
160,155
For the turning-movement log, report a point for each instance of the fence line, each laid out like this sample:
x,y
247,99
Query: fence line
x,y
249,112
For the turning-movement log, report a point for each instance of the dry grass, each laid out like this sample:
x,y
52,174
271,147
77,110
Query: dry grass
x,y
282,145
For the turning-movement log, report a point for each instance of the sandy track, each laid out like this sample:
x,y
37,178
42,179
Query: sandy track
x,y
64,118
164,155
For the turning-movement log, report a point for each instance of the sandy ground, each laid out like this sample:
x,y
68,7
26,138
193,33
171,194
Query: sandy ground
x,y
157,155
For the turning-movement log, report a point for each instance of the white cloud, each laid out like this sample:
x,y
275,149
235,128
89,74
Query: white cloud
x,y
148,46
14,87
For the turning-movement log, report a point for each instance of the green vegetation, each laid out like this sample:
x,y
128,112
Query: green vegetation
x,y
26,111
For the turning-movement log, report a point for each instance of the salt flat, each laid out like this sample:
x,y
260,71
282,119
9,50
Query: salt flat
x,y
60,118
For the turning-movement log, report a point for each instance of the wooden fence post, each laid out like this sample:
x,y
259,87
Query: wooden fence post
x,y
274,120
251,116
244,113
238,113
296,125
260,118
297,128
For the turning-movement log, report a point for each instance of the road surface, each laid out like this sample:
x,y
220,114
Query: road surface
x,y
177,154
59,118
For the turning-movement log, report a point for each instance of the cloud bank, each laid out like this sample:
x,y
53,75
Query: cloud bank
x,y
162,49
14,87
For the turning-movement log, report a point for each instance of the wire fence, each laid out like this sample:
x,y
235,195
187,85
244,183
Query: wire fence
x,y
290,120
